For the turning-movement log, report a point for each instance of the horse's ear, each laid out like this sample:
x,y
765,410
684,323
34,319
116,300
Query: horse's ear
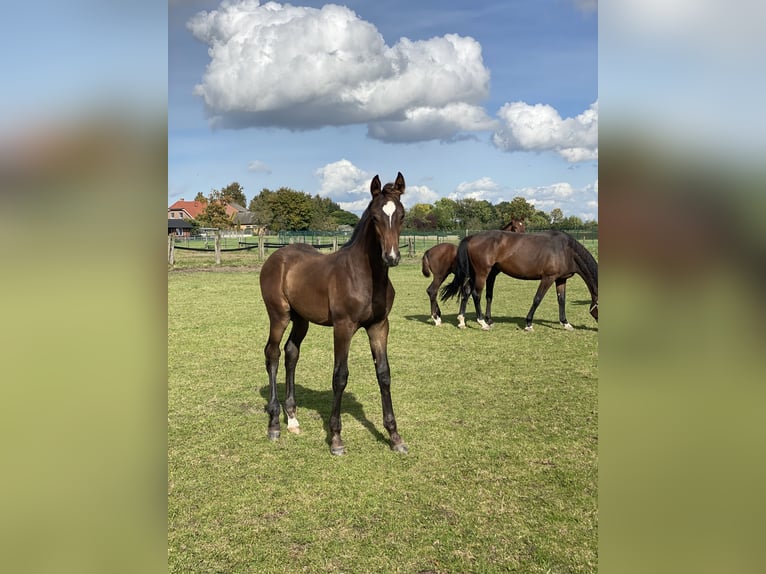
x,y
375,186
399,183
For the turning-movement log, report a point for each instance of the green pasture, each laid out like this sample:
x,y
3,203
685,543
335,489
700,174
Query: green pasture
x,y
502,429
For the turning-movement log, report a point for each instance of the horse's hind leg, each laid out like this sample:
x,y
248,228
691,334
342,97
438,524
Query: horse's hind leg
x,y
561,291
478,287
278,323
542,289
464,293
292,353
342,333
433,290
490,288
378,335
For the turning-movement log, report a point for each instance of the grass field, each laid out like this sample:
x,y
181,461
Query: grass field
x,y
502,429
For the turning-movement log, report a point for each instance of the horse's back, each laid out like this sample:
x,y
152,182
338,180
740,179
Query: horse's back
x,y
285,258
524,255
440,259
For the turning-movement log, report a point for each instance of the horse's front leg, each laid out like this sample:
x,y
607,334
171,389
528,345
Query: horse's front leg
x,y
545,284
378,335
561,296
342,333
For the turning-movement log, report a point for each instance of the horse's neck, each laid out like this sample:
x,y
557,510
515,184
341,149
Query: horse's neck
x,y
367,250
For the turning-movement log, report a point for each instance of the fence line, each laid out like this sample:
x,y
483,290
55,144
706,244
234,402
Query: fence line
x,y
413,242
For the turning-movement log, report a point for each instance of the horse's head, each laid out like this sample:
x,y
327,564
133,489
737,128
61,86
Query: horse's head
x,y
516,225
387,214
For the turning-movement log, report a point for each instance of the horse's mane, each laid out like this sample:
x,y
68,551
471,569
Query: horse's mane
x,y
364,219
586,262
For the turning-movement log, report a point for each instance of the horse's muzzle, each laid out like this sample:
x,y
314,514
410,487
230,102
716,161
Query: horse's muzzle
x,y
391,257
391,261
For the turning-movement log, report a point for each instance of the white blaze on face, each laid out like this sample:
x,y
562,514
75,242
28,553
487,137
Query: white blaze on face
x,y
389,209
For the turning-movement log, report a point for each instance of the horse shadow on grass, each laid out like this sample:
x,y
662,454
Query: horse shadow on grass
x,y
321,402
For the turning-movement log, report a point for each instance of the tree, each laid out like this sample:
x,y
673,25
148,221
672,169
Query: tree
x,y
260,207
475,213
420,216
292,210
343,217
517,208
200,197
556,217
234,193
571,222
539,220
214,214
444,212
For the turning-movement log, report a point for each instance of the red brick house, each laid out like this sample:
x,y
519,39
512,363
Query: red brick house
x,y
186,209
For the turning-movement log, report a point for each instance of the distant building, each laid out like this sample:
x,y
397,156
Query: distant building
x,y
186,209
180,227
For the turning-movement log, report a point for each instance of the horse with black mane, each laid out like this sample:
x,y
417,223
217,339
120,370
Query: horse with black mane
x,y
440,261
550,256
347,290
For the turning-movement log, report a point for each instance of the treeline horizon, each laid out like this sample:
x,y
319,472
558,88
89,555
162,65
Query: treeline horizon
x,y
286,209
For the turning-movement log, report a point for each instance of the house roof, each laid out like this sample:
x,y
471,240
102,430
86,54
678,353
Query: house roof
x,y
193,208
179,224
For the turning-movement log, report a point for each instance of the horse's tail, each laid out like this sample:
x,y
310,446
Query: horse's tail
x,y
425,265
588,267
463,272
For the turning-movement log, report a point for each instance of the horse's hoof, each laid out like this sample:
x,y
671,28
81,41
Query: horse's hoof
x,y
401,447
528,328
568,326
274,434
338,450
293,426
437,321
484,325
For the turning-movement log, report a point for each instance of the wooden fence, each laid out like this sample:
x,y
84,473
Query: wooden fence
x,y
414,243
262,245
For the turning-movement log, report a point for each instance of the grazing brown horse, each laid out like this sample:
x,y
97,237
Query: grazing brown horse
x,y
347,290
550,256
440,260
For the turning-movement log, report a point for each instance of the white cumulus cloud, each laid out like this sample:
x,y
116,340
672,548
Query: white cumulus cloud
x,y
540,128
303,68
343,182
349,186
415,194
582,201
258,166
483,188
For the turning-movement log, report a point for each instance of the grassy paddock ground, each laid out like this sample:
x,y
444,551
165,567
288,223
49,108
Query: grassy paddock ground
x,y
502,428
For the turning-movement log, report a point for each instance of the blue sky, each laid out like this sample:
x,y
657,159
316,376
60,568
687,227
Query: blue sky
x,y
489,100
